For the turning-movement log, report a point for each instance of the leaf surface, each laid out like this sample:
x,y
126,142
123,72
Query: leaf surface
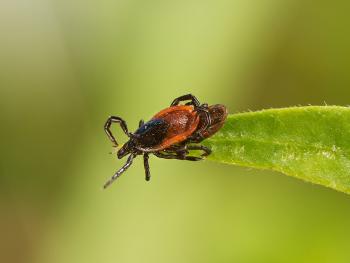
x,y
311,143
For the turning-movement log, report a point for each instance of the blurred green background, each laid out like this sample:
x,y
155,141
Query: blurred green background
x,y
67,65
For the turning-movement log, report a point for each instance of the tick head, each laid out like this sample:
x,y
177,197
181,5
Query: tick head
x,y
127,148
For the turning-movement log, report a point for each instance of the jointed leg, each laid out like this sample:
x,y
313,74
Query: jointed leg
x,y
194,100
120,171
207,119
180,156
146,165
115,119
141,122
181,152
166,155
206,150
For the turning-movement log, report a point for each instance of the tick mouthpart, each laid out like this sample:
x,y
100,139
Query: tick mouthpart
x,y
127,148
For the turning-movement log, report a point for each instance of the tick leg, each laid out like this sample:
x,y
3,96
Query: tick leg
x,y
165,156
181,152
193,99
176,148
207,119
180,156
115,119
120,171
206,150
146,165
198,135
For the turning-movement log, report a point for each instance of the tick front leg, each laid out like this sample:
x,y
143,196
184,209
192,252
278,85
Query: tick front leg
x,y
146,165
141,122
115,119
193,99
120,171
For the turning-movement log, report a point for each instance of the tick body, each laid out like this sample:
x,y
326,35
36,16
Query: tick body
x,y
170,134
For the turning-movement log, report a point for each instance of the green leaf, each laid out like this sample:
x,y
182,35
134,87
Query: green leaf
x,y
311,143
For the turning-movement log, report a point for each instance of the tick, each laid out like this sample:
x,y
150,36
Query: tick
x,y
170,134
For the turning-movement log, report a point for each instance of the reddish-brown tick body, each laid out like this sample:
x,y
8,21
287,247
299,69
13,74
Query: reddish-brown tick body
x,y
180,121
170,133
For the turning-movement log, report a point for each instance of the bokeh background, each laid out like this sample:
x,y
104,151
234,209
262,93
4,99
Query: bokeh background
x,y
65,66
